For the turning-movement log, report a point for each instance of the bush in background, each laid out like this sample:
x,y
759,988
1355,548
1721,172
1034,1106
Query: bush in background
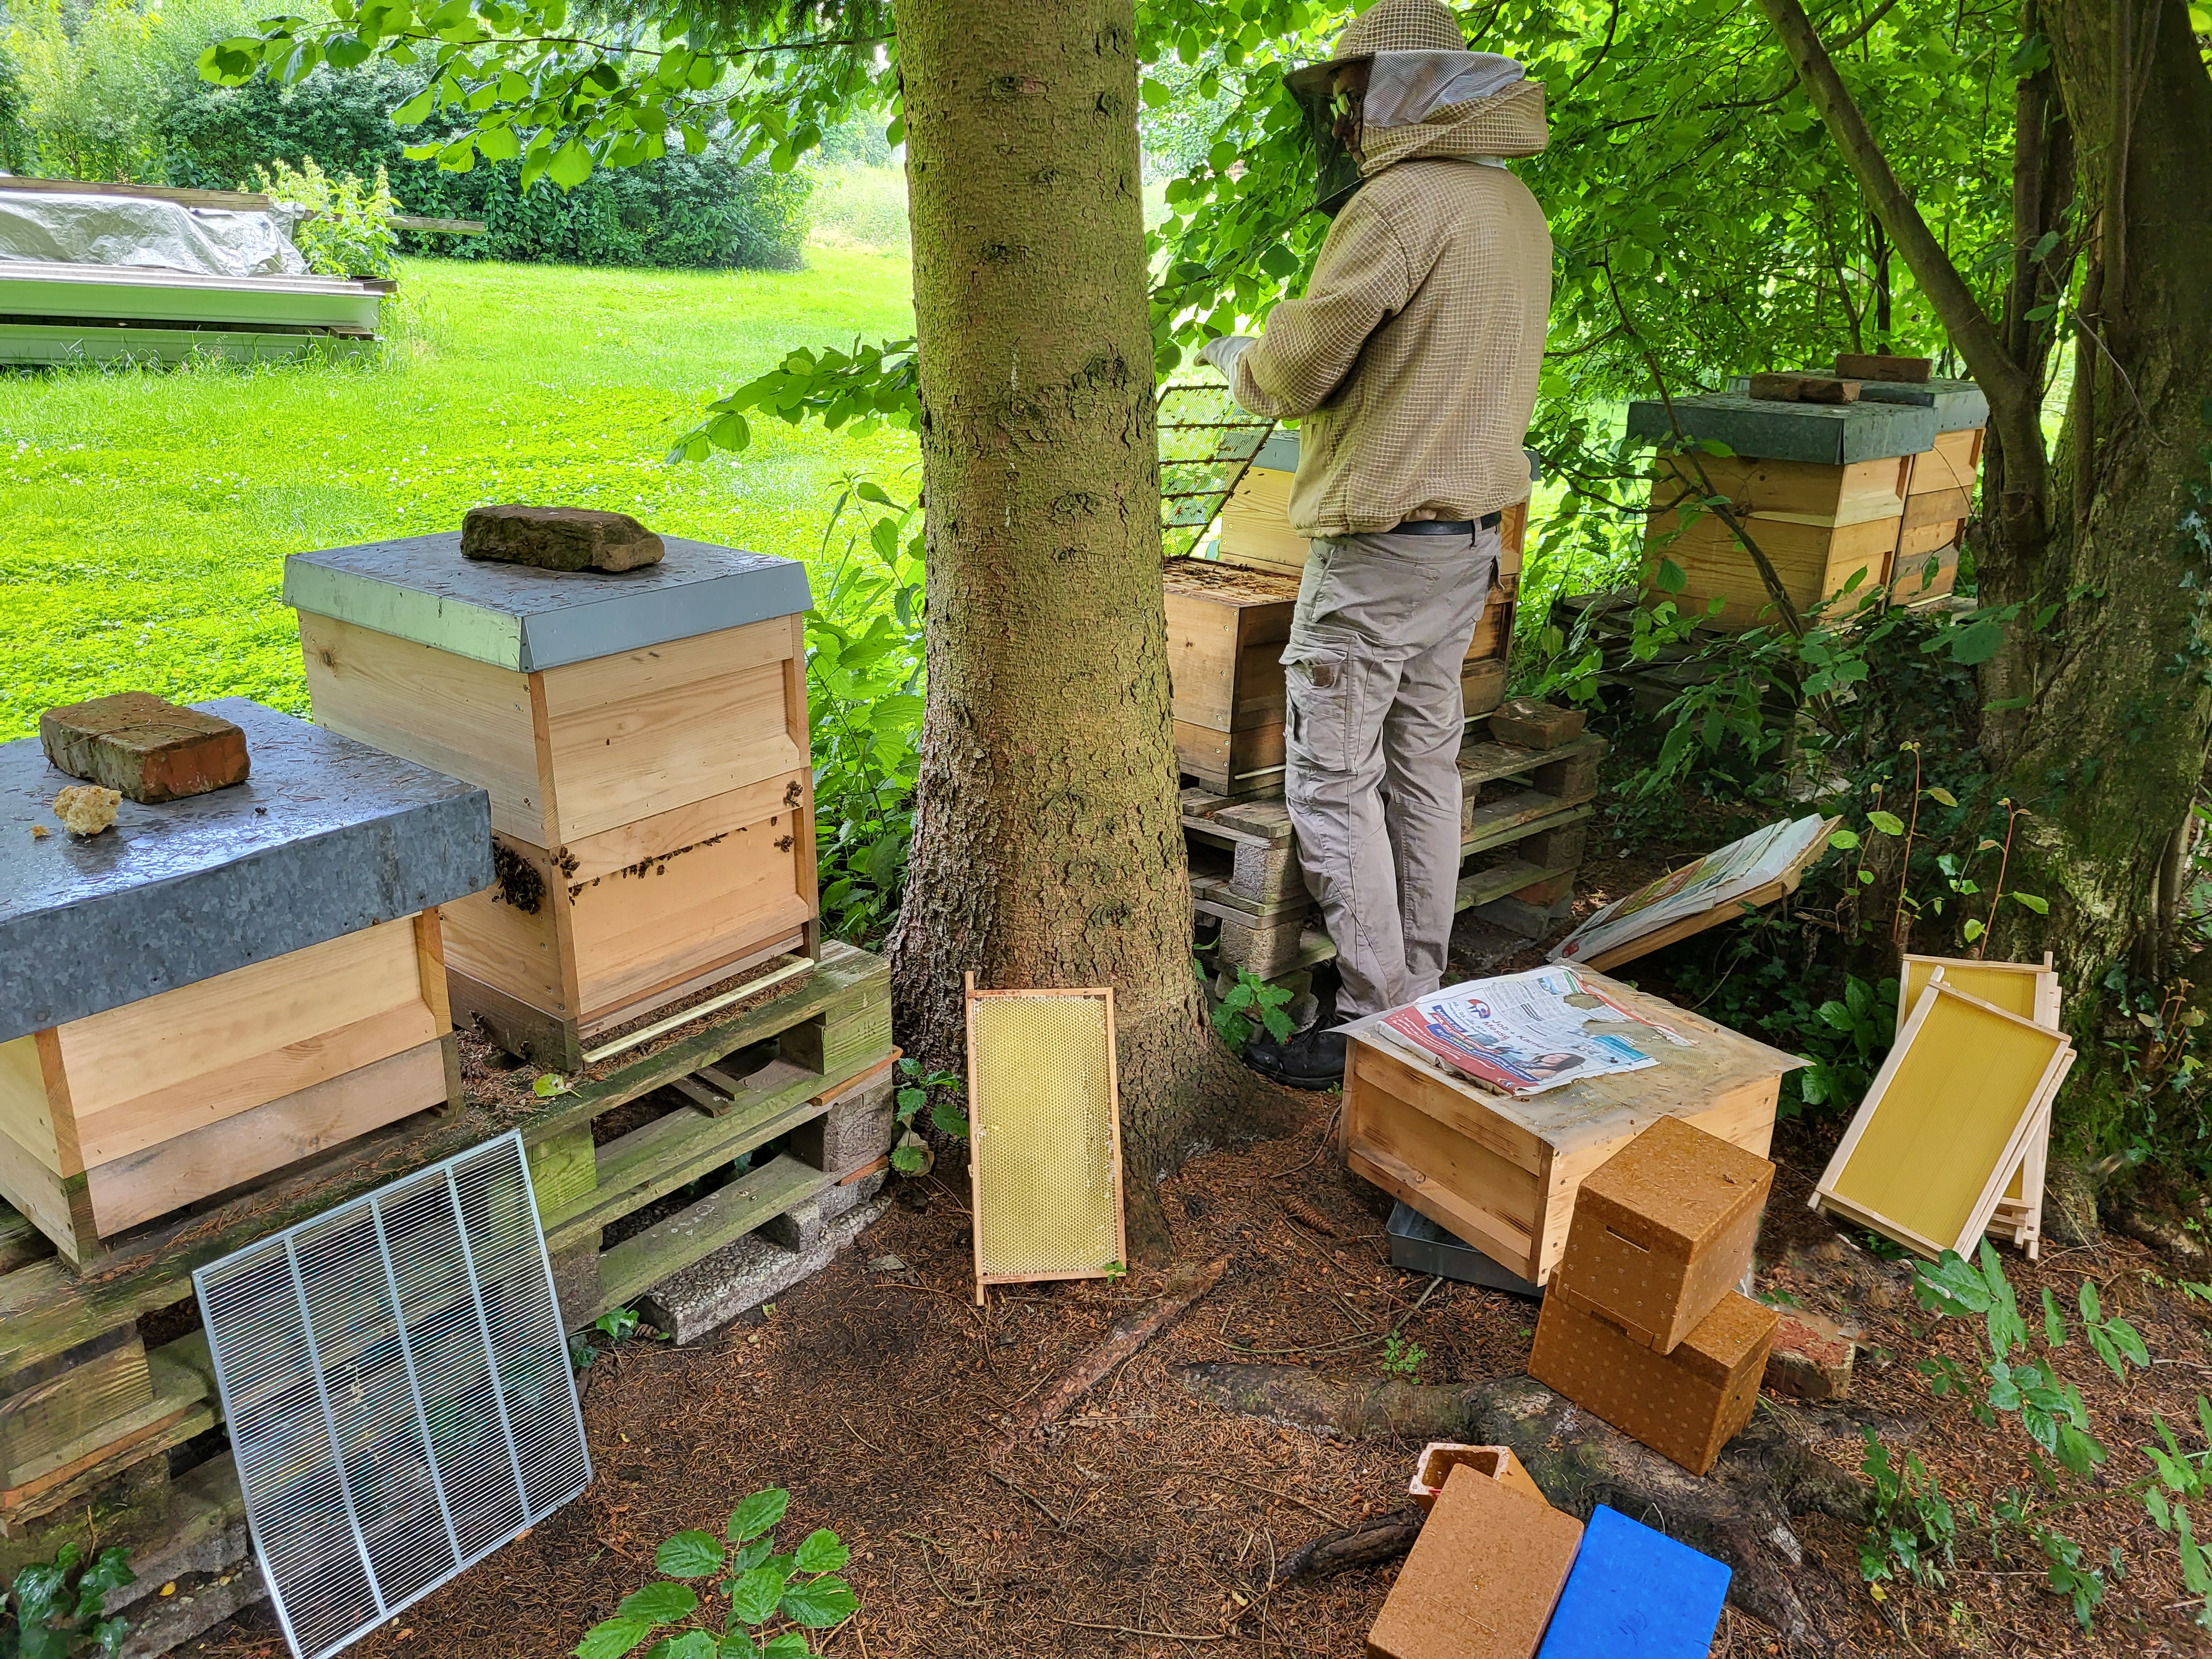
x,y
350,232
14,136
705,211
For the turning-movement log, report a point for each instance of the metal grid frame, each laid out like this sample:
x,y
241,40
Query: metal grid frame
x,y
1195,486
978,1108
417,1353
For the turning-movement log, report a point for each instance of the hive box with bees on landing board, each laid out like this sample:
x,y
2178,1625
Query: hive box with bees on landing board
x,y
643,736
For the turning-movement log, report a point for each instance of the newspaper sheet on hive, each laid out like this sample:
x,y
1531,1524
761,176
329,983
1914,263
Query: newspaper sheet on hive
x,y
1520,1034
1721,877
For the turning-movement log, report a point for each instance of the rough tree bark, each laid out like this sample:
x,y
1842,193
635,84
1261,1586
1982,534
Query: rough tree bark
x,y
2098,709
1740,1512
1049,847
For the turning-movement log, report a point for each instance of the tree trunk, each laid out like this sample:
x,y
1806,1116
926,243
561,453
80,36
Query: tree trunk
x,y
1049,846
2110,750
2098,706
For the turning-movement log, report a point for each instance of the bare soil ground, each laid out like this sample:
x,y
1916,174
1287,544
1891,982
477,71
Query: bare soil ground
x,y
1147,1524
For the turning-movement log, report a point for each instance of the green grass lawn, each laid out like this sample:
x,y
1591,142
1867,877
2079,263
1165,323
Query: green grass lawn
x,y
144,516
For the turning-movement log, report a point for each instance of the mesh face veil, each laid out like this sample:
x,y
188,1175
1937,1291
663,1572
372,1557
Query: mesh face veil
x,y
1334,98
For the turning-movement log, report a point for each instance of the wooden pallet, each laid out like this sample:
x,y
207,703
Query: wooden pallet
x,y
1523,839
86,1407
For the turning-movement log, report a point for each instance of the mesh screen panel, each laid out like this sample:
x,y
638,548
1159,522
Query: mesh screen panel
x,y
1042,1114
396,1380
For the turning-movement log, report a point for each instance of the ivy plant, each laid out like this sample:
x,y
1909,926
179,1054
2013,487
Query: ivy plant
x,y
54,1609
773,1598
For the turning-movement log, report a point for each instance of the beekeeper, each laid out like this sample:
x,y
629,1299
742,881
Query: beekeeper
x,y
1410,364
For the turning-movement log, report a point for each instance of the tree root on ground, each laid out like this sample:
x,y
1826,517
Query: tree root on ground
x,y
1740,1513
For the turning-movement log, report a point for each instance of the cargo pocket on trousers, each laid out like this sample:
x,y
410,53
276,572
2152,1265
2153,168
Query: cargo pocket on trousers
x,y
1318,712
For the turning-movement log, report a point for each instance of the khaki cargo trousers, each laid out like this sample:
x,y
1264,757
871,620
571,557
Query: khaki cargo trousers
x,y
1371,740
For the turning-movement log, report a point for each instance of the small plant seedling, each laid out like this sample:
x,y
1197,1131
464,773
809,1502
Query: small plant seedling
x,y
773,1598
1402,1358
913,1094
1252,1005
54,1608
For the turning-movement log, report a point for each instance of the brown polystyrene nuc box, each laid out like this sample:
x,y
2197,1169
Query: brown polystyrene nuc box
x,y
1663,1229
1483,1577
1685,1405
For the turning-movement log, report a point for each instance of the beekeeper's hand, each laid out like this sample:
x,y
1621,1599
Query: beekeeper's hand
x,y
1224,351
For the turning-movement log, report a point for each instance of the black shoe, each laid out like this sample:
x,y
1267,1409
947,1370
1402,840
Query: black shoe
x,y
1313,1059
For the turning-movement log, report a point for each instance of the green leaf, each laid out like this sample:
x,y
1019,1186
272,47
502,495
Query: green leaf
x,y
692,1644
789,1645
1977,642
1670,578
689,1555
1844,840
659,1604
754,1595
758,1514
1888,822
734,1646
2039,906
951,1120
820,1552
1943,796
910,1160
612,1639
818,1605
2054,1321
571,165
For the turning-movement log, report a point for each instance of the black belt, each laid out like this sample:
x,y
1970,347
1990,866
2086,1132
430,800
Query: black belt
x,y
1447,526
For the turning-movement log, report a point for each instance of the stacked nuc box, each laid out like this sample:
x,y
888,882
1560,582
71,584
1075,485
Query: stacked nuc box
x,y
1641,1322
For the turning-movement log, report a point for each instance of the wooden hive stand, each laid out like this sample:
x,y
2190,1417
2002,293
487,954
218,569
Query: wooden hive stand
x,y
224,984
1501,1171
643,736
109,1417
1523,822
1820,487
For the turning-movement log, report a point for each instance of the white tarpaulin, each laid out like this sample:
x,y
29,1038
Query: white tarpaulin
x,y
147,233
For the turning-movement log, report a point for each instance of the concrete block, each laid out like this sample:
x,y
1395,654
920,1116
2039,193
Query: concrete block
x,y
327,837
1550,849
797,1229
1572,779
1267,872
712,1291
145,746
842,1200
855,1130
1548,891
576,1280
1529,921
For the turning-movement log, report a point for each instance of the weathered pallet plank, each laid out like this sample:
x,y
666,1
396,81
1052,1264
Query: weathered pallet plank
x,y
633,1266
50,1310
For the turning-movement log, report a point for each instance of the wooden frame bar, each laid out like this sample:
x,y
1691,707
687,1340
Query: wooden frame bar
x,y
2033,1112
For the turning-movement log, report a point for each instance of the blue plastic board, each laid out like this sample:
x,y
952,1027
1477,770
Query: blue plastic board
x,y
1635,1593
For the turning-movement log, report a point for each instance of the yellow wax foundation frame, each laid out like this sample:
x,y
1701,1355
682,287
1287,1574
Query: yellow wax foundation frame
x,y
1044,1124
1946,1122
2030,990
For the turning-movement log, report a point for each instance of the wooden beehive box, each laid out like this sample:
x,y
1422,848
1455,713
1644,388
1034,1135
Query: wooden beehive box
x,y
1822,488
1500,1171
1226,629
1256,534
1939,491
220,985
643,736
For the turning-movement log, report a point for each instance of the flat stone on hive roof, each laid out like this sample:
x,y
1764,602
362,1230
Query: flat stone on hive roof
x,y
326,837
1828,434
1960,405
513,617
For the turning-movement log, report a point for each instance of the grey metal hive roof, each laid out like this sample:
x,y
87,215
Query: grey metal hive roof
x,y
326,837
1960,405
421,588
1830,435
